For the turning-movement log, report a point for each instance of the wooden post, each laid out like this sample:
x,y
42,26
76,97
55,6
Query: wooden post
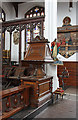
x,y
51,85
42,29
31,31
0,107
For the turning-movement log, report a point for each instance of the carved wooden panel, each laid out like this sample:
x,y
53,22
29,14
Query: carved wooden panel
x,y
39,88
72,68
35,52
44,87
13,100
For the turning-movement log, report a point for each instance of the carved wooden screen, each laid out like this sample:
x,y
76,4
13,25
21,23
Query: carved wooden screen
x,y
33,29
2,19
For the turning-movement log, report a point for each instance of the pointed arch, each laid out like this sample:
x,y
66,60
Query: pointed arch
x,y
34,29
36,11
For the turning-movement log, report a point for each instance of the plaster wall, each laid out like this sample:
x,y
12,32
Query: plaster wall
x,y
63,11
23,8
9,10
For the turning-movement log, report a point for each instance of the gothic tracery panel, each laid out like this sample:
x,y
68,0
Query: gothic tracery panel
x,y
35,12
33,29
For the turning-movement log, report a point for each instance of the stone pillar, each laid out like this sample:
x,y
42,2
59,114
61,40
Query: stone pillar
x,y
50,33
50,20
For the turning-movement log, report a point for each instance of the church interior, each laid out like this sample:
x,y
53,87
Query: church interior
x,y
38,49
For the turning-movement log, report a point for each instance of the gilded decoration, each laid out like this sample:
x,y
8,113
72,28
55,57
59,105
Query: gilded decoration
x,y
67,36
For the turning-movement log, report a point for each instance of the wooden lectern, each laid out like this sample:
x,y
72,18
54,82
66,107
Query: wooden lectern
x,y
41,85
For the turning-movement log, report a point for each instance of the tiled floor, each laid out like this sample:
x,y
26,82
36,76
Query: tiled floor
x,y
65,108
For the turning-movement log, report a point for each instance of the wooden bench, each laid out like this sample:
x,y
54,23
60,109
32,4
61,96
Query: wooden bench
x,y
13,100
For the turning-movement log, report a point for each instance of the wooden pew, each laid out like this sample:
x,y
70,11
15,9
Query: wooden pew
x,y
5,74
14,77
13,100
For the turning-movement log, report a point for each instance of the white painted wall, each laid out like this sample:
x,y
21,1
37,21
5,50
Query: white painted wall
x,y
9,11
74,58
76,12
7,40
23,8
63,11
22,44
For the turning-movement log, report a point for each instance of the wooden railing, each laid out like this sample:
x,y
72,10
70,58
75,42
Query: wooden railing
x,y
13,100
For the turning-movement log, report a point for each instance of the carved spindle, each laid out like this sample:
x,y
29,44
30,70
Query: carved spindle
x,y
0,107
51,84
22,98
8,105
15,101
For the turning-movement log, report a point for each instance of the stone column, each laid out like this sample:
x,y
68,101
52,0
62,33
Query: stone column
x,y
50,20
50,33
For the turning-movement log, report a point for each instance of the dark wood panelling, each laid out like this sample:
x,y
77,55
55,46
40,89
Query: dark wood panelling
x,y
39,88
73,75
13,100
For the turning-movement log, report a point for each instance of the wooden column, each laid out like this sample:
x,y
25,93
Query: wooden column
x,y
31,31
1,48
42,28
